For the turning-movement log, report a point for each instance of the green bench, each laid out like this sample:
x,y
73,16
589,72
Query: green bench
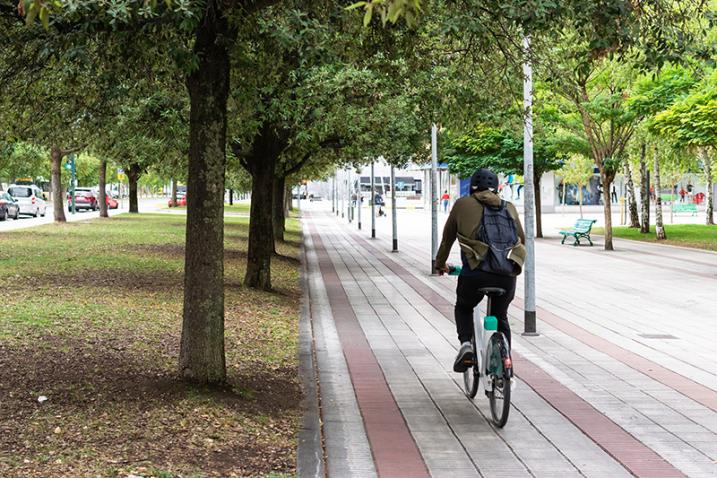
x,y
582,228
685,207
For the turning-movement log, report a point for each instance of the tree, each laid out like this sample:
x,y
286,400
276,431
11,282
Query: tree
x,y
652,94
577,169
500,150
692,122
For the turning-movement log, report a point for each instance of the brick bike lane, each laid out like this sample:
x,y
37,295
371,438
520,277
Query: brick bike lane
x,y
393,448
639,459
680,429
680,383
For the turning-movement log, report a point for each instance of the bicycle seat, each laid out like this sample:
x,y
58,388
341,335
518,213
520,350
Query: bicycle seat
x,y
492,291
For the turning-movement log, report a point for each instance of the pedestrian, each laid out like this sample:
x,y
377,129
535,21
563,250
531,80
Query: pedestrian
x,y
446,198
492,244
683,193
613,195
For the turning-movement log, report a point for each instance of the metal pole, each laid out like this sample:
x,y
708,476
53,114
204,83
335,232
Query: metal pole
x,y
358,200
434,196
529,198
73,160
393,210
373,204
349,187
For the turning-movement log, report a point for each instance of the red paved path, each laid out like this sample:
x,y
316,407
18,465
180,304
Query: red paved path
x,y
394,451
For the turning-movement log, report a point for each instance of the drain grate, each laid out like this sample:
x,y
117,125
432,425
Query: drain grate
x,y
658,336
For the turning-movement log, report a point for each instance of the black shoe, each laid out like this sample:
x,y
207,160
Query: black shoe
x,y
464,359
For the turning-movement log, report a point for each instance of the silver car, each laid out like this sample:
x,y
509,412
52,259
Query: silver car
x,y
29,199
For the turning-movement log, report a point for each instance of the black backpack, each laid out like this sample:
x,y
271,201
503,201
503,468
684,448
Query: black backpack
x,y
497,229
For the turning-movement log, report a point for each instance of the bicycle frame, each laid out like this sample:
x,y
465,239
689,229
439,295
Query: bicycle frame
x,y
479,341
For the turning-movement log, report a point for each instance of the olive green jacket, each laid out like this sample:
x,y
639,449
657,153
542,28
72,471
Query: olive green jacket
x,y
463,223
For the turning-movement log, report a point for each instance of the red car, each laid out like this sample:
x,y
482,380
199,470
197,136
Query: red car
x,y
112,203
181,201
84,199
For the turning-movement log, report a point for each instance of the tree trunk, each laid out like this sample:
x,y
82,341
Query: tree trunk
x,y
58,199
103,189
607,183
174,192
659,225
631,197
644,192
707,163
287,202
201,357
289,199
278,214
580,200
231,197
537,176
261,225
133,176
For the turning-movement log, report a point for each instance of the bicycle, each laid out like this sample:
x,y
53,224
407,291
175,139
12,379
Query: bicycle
x,y
493,366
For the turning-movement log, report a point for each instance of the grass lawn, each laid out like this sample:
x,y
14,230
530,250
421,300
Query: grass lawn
x,y
90,317
236,207
689,235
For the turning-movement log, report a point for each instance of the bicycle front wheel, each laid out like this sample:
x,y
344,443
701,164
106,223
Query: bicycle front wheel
x,y
471,378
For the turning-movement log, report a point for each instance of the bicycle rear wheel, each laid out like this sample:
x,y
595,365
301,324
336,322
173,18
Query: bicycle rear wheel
x,y
499,396
499,399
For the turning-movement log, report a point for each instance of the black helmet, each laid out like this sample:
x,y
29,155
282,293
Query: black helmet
x,y
483,179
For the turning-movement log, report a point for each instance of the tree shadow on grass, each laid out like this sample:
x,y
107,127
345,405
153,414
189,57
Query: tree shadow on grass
x,y
116,401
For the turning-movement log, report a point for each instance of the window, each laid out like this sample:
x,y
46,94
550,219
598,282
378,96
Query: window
x,y
19,192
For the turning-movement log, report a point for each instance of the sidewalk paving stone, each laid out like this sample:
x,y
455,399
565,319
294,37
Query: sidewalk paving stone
x,y
404,315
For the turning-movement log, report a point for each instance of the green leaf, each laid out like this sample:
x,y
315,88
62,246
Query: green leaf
x,y
31,13
367,16
45,17
356,5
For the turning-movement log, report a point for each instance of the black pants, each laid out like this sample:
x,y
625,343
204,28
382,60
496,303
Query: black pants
x,y
468,298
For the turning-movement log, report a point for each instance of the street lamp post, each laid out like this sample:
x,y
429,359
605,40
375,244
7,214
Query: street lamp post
x,y
393,210
434,196
333,193
529,198
358,200
349,187
373,204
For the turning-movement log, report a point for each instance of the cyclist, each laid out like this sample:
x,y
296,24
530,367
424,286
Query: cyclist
x,y
492,245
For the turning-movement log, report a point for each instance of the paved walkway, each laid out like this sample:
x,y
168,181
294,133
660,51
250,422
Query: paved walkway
x,y
622,380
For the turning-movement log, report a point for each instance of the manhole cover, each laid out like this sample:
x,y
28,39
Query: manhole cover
x,y
658,336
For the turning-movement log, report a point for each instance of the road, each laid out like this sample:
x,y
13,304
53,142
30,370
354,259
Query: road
x,y
145,205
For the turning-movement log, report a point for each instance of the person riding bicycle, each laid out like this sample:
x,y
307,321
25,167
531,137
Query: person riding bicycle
x,y
492,245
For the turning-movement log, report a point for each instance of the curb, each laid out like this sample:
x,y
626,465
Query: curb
x,y
310,461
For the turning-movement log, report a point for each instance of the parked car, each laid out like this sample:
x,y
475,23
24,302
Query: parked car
x,y
9,207
29,198
112,203
181,200
85,198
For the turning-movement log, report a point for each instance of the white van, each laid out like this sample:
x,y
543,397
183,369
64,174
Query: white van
x,y
29,198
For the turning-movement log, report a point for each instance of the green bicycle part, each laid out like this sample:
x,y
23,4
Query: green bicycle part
x,y
490,323
495,361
